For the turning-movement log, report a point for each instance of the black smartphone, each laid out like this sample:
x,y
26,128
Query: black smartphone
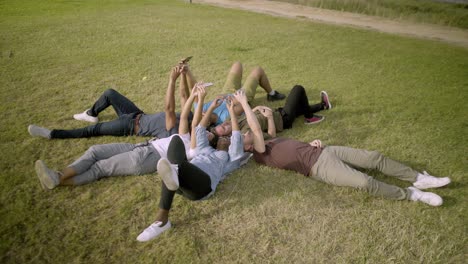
x,y
187,59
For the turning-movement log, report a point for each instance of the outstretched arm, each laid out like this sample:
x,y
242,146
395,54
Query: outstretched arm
x,y
184,116
268,113
206,120
183,85
258,141
200,92
232,114
169,108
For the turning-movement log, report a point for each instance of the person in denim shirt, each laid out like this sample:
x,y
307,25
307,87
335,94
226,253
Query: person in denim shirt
x,y
197,179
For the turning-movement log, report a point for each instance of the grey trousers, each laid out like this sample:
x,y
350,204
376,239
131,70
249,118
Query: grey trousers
x,y
338,166
115,160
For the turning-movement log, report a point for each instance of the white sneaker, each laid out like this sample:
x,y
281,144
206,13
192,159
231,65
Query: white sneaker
x,y
49,178
426,181
85,117
425,197
168,174
37,131
152,231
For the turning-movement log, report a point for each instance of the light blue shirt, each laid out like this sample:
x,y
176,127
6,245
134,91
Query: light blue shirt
x,y
217,163
221,111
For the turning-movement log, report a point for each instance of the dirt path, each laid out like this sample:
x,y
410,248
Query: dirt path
x,y
447,34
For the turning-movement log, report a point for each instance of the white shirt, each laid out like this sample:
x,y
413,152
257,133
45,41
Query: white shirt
x,y
162,145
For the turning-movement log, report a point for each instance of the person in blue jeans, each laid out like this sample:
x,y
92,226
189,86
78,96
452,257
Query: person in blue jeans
x,y
131,119
197,179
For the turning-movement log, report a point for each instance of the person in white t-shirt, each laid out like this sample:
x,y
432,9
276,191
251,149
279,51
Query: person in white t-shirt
x,y
119,159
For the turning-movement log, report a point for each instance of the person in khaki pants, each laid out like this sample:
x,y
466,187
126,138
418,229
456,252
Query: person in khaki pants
x,y
337,166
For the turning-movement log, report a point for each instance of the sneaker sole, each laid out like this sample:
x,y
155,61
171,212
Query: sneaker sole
x,y
143,237
165,170
83,119
429,186
316,122
328,100
41,171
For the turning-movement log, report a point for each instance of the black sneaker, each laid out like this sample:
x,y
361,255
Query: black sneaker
x,y
275,97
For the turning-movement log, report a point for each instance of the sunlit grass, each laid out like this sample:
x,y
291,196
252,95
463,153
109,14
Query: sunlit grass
x,y
404,97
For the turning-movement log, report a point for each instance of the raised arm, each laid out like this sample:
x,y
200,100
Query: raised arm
x,y
200,92
189,75
258,141
206,120
268,113
183,85
169,107
184,116
232,114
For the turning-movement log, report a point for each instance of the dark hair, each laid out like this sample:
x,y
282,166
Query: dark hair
x,y
213,142
223,143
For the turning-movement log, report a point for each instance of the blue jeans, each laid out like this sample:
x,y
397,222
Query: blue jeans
x,y
122,126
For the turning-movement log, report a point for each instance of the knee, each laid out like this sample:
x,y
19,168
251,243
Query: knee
x,y
236,67
364,183
92,151
298,88
375,156
258,71
109,92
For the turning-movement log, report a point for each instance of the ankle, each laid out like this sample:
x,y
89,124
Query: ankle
x,y
90,113
162,216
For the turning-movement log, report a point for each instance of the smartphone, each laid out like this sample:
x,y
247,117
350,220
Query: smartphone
x,y
187,59
207,84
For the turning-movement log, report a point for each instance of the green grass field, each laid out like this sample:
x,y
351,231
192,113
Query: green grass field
x,y
447,13
405,97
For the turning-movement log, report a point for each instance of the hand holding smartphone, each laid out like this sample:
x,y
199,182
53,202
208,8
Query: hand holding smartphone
x,y
187,59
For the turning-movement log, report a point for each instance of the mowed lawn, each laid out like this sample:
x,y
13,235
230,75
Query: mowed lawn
x,y
404,97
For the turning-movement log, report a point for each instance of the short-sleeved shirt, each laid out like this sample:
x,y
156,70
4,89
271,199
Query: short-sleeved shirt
x,y
221,111
217,164
288,154
162,145
263,121
154,125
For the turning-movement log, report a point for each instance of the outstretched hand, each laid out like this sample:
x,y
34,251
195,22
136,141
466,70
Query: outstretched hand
x,y
199,90
175,73
316,143
264,110
217,101
241,97
230,105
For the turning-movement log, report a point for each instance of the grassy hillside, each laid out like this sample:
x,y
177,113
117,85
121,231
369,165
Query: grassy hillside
x,y
447,13
404,97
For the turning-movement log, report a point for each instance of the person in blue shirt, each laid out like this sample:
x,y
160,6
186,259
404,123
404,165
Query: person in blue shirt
x,y
197,179
257,77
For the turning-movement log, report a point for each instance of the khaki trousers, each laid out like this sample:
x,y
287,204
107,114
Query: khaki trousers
x,y
233,83
338,166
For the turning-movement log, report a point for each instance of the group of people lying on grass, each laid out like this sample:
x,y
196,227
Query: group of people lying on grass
x,y
194,152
